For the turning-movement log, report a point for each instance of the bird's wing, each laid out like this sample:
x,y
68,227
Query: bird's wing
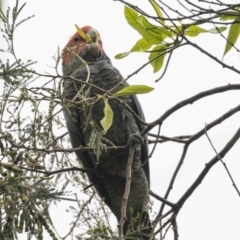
x,y
104,76
144,148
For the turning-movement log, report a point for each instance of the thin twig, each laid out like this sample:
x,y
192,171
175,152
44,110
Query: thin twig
x,y
208,166
62,170
162,217
161,199
179,139
69,150
82,209
223,163
126,192
193,138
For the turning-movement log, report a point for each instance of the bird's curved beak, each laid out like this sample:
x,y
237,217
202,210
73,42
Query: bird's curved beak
x,y
93,35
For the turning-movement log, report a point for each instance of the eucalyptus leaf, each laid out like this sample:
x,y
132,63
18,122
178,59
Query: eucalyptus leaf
x,y
233,35
140,46
122,55
157,32
195,30
136,22
229,16
107,120
133,89
157,10
217,30
158,62
151,34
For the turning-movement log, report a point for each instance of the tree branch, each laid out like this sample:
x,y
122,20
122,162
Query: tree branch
x,y
126,192
62,170
223,163
208,166
190,100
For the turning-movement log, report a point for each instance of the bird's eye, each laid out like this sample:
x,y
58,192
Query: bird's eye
x,y
100,41
76,39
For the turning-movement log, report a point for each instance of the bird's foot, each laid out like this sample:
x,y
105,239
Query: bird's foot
x,y
103,148
135,138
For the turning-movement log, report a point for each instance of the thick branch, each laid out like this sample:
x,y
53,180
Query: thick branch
x,y
190,100
188,142
208,166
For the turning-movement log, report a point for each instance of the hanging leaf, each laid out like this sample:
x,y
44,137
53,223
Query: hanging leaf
x,y
122,55
133,89
158,62
152,34
132,19
157,10
107,120
140,46
193,30
158,32
85,36
217,30
233,35
135,21
229,16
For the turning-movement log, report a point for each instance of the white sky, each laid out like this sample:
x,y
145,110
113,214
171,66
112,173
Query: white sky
x,y
213,211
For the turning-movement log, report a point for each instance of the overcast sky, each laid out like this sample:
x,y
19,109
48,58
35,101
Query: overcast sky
x,y
213,211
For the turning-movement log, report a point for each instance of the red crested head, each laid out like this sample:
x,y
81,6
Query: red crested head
x,y
77,45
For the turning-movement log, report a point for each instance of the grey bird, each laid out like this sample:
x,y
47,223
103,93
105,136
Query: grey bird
x,y
88,74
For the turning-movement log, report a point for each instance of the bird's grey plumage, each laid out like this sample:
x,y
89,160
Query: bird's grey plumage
x,y
83,122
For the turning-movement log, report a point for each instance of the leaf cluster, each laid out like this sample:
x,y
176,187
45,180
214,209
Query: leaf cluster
x,y
159,39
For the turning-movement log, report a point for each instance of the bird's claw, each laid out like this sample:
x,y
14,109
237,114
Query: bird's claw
x,y
103,148
135,138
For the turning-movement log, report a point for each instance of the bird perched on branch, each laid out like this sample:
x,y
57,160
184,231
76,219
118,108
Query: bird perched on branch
x,y
88,78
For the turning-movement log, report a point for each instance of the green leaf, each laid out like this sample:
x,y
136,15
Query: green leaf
x,y
140,46
133,89
122,55
152,35
217,30
159,33
107,120
194,31
131,17
231,16
85,36
157,10
158,62
233,35
135,22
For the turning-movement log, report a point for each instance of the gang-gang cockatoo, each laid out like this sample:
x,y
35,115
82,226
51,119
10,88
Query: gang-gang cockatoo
x,y
88,74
